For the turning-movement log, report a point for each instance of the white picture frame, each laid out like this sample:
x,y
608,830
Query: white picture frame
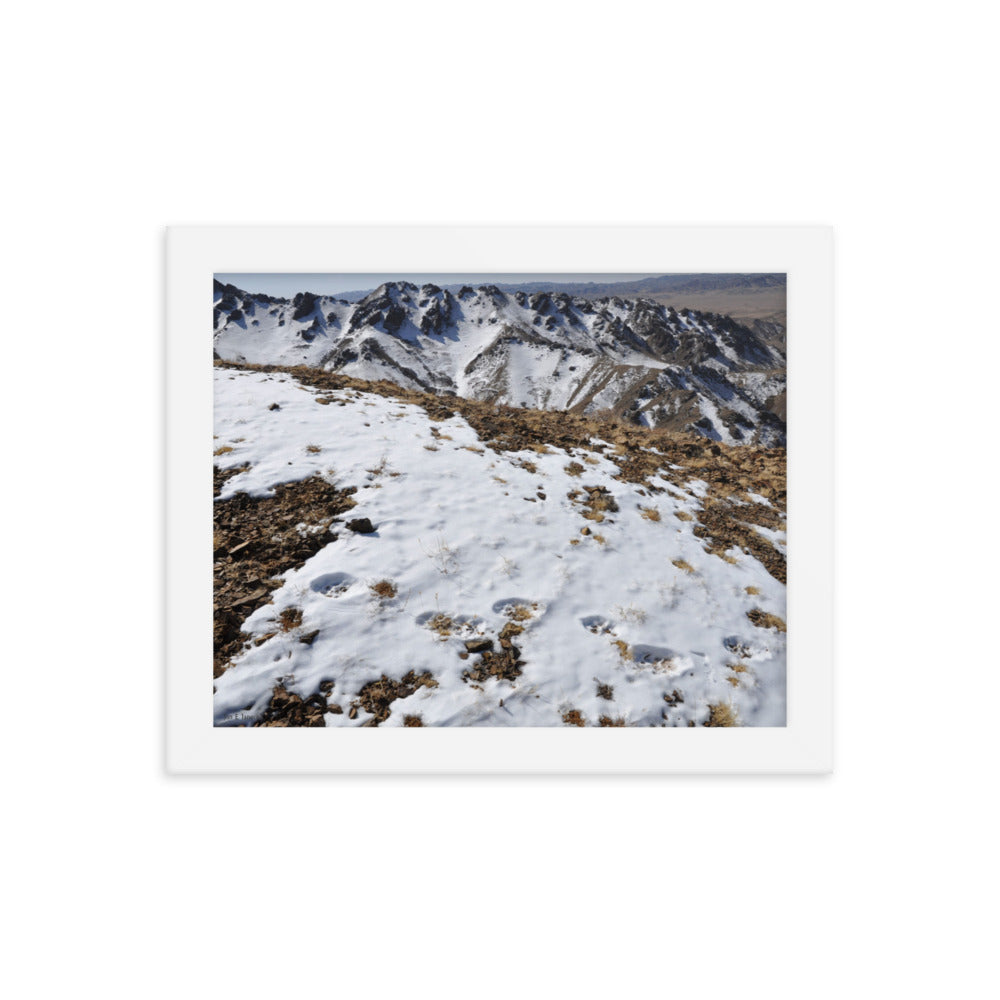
x,y
196,253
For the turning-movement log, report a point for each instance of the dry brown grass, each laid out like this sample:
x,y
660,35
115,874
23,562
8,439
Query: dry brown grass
x,y
606,722
313,449
650,513
600,539
595,501
384,589
573,469
430,447
591,460
528,466
411,721
224,450
684,565
521,612
764,619
574,541
605,691
683,515
738,668
597,506
441,624
290,618
624,649
632,613
752,591
573,718
721,715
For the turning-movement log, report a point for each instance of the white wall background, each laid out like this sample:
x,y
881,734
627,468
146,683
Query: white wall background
x,y
878,118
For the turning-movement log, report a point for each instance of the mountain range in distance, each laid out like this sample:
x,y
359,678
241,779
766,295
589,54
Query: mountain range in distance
x,y
633,357
744,297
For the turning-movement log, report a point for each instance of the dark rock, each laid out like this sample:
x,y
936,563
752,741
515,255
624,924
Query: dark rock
x,y
304,304
478,645
274,406
394,317
361,526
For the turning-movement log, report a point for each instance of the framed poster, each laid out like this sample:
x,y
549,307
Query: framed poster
x,y
499,499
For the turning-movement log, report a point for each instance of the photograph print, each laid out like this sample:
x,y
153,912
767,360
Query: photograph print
x,y
505,500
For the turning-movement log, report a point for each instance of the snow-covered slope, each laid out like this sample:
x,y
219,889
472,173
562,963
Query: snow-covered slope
x,y
587,599
643,361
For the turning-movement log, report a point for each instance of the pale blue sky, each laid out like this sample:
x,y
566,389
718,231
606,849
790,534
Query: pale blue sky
x,y
286,285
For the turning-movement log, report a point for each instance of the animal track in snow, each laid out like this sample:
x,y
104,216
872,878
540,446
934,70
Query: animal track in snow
x,y
332,584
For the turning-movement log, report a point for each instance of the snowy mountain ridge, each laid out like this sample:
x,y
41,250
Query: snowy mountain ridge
x,y
643,361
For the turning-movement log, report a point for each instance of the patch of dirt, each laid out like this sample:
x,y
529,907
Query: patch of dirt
x,y
221,476
256,539
287,709
724,525
573,718
504,664
376,696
